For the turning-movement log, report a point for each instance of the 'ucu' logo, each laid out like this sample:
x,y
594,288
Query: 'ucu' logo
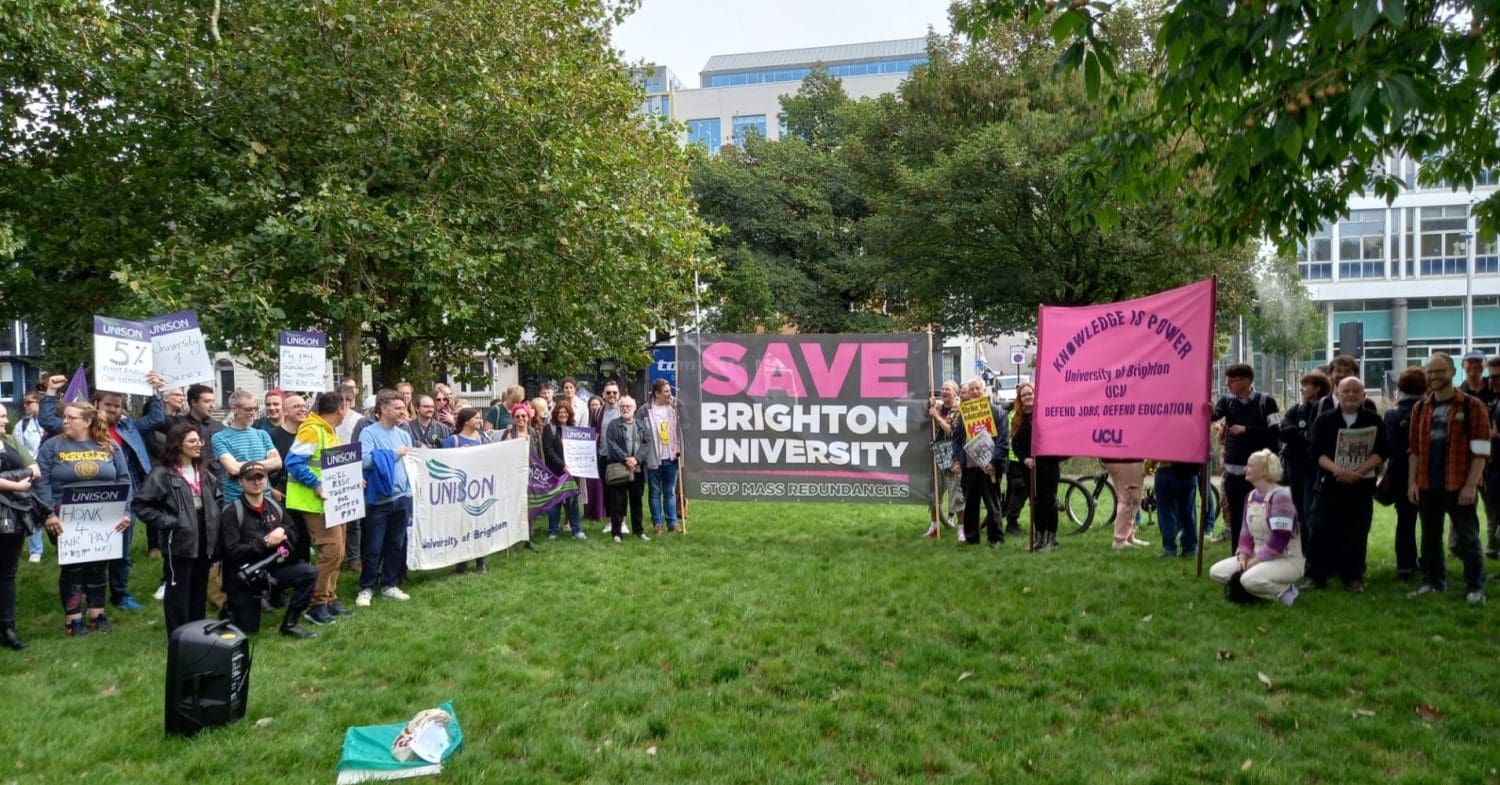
x,y
1109,436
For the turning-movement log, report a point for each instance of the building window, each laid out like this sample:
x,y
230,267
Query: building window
x,y
7,382
1362,245
1444,244
898,66
1487,254
747,124
705,132
781,126
473,378
659,105
1315,257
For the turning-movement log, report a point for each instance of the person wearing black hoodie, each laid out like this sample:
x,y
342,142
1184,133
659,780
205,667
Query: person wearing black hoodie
x,y
254,527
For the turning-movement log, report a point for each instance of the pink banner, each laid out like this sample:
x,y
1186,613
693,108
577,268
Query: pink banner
x,y
1129,379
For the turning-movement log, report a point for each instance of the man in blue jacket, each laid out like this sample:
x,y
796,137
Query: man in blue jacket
x,y
128,436
388,501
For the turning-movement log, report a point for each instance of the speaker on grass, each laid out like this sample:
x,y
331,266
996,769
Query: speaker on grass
x,y
208,676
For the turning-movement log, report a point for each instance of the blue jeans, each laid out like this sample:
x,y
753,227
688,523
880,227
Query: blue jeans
x,y
575,517
662,482
119,569
1176,501
384,543
34,543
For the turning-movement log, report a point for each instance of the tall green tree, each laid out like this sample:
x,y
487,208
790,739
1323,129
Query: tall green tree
x,y
1289,109
985,198
380,171
790,215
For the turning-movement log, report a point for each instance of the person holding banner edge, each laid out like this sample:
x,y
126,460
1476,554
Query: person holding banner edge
x,y
660,420
83,454
388,499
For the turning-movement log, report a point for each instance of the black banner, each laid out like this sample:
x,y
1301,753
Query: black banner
x,y
806,417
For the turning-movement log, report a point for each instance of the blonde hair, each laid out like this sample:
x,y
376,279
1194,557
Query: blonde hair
x,y
513,395
1271,462
98,428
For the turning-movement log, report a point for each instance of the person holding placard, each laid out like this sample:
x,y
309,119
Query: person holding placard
x,y
181,500
17,472
83,454
552,452
130,436
304,492
981,454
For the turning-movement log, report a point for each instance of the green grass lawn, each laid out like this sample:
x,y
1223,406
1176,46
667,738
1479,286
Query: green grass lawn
x,y
805,643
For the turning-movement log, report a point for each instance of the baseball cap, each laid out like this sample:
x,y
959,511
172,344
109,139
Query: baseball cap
x,y
1474,354
253,469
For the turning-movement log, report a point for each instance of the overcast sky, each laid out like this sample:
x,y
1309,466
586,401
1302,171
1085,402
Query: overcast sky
x,y
683,34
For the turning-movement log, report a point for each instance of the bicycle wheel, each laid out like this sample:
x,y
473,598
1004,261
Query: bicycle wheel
x,y
1076,504
1105,500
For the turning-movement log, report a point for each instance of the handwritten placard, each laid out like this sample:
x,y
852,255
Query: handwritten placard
x,y
122,356
178,350
343,484
89,515
581,451
303,355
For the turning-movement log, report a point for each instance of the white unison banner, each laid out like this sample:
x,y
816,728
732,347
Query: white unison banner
x,y
468,502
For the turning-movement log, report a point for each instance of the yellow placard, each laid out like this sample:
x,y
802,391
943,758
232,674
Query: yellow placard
x,y
977,415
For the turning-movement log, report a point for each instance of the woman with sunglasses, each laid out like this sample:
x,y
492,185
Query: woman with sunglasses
x,y
83,455
181,499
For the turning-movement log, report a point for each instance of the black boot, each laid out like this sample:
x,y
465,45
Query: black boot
x,y
10,640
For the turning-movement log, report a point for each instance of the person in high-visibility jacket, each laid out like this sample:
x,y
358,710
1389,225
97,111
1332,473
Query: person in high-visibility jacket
x,y
304,493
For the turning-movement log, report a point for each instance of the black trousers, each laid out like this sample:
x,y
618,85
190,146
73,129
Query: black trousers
x,y
1465,520
1017,488
187,589
1048,472
298,577
1236,491
979,487
1406,535
11,546
1341,535
618,497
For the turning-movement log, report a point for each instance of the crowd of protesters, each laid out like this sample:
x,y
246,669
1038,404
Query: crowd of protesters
x,y
1299,487
233,506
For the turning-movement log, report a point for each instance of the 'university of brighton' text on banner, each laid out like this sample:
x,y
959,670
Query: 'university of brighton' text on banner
x,y
1129,379
805,417
467,503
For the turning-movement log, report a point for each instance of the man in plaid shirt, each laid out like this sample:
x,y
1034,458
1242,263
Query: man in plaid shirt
x,y
1449,447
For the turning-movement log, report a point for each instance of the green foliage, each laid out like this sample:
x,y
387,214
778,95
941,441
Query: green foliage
x,y
790,214
986,203
1291,109
1284,321
803,643
379,171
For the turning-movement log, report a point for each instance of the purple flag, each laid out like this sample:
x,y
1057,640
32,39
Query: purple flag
x,y
545,490
78,389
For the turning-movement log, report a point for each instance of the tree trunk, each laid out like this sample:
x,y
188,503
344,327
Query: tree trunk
x,y
352,350
393,357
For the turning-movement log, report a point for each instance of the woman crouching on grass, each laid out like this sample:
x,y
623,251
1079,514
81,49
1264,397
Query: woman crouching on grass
x,y
1268,558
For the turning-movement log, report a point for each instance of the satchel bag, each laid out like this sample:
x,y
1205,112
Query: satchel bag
x,y
617,474
1386,490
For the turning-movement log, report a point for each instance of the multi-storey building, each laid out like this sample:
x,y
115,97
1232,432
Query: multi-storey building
x,y
1416,274
739,94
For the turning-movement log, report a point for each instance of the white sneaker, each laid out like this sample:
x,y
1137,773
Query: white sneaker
x,y
580,536
617,539
1137,542
644,538
394,593
160,593
362,600
1475,597
36,558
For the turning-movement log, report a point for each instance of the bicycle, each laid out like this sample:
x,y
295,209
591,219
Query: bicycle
x,y
1103,497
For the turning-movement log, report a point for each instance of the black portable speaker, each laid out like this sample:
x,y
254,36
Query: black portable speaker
x,y
208,676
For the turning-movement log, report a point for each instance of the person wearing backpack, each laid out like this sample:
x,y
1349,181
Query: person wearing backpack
x,y
1411,385
1248,421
